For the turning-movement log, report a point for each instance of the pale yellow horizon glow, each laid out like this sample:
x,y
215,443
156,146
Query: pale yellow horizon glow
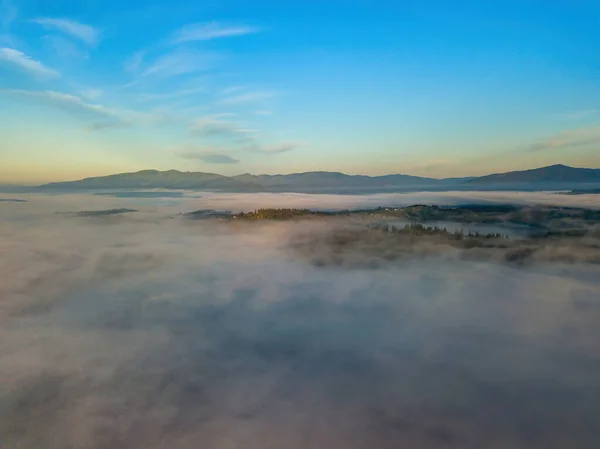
x,y
50,155
39,172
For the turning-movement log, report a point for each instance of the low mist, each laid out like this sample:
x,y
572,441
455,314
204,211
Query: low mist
x,y
148,330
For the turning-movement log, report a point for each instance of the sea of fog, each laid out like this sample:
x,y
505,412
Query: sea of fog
x,y
149,330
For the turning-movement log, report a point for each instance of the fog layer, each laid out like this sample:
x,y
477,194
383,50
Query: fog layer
x,y
147,330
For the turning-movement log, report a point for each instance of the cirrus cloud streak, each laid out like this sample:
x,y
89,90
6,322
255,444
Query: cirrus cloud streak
x,y
209,31
26,63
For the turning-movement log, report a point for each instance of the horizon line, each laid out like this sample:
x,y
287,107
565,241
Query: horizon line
x,y
331,172
293,173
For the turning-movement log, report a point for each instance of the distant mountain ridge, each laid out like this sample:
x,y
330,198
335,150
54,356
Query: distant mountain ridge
x,y
553,173
173,179
320,180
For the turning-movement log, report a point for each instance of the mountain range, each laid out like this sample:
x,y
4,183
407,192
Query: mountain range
x,y
554,175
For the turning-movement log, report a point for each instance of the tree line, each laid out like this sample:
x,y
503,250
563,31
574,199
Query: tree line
x,y
274,214
419,230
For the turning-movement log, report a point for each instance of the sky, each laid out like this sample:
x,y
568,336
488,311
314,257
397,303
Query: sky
x,y
423,87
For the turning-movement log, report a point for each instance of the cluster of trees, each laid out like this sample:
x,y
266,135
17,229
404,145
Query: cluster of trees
x,y
101,213
274,214
419,229
413,229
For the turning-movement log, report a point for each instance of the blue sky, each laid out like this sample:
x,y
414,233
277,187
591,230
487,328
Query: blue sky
x,y
432,88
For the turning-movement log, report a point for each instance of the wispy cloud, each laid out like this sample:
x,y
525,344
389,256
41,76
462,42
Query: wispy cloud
x,y
236,132
100,117
86,33
65,102
135,61
218,125
263,112
64,48
107,124
92,94
281,148
275,149
233,89
170,95
179,63
208,157
247,97
210,126
569,139
210,30
248,136
26,63
179,109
